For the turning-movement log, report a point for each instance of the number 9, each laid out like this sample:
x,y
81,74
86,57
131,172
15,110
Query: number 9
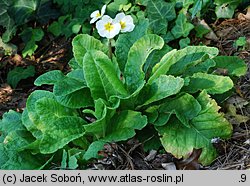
x,y
243,177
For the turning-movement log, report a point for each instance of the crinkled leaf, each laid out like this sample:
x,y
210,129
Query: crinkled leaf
x,y
84,43
101,76
180,140
57,122
213,84
122,125
162,87
19,73
232,64
126,40
78,99
182,27
159,13
186,107
137,56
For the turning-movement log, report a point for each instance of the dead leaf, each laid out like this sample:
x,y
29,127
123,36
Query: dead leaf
x,y
151,155
233,117
169,166
246,16
190,163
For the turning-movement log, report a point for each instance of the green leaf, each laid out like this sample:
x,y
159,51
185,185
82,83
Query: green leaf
x,y
137,56
11,121
93,149
67,86
185,106
184,42
213,84
22,10
122,125
19,73
241,42
49,78
57,122
101,76
159,13
232,64
182,27
64,160
162,87
126,40
177,62
84,43
225,8
30,36
77,99
180,140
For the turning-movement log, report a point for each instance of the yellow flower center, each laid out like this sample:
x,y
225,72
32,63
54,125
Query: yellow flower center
x,y
123,24
98,15
109,26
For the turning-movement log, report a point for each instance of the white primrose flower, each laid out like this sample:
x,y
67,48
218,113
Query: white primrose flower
x,y
126,22
106,27
97,15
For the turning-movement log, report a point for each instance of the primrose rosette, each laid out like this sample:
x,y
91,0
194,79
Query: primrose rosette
x,y
164,98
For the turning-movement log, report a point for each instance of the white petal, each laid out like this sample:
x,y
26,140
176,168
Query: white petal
x,y
115,31
103,10
119,17
94,14
100,24
128,28
106,18
94,19
128,19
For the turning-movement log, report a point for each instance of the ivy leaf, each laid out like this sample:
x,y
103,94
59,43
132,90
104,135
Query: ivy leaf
x,y
162,87
232,64
84,43
23,9
30,36
159,13
126,40
19,73
137,56
213,84
225,8
180,140
184,42
101,76
182,27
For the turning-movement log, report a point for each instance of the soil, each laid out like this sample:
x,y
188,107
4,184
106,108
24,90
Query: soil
x,y
234,153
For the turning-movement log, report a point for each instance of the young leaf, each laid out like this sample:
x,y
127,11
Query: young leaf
x,y
19,73
101,76
137,56
84,43
213,84
49,78
182,27
126,40
232,64
180,140
159,13
177,62
93,149
162,87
